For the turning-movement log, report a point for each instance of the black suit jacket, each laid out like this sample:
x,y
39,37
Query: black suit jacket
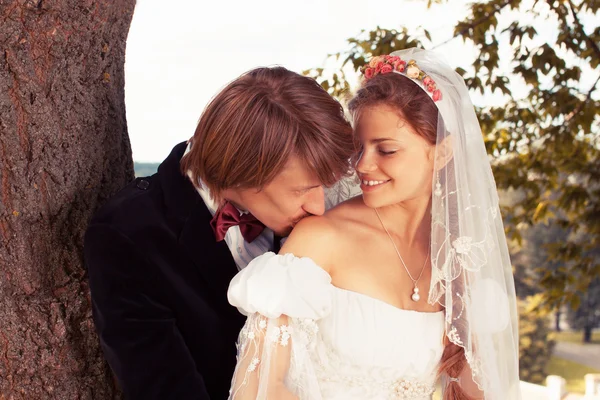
x,y
159,284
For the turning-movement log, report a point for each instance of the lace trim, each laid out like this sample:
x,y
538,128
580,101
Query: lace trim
x,y
397,389
274,334
344,189
377,381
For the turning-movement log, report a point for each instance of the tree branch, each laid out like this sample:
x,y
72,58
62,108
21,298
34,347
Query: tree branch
x,y
593,45
580,106
472,25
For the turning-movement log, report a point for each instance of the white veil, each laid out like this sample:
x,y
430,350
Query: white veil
x,y
344,189
471,270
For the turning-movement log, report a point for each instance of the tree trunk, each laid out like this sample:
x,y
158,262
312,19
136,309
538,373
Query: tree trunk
x,y
557,315
64,150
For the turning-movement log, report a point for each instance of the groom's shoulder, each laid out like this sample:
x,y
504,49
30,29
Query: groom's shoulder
x,y
134,207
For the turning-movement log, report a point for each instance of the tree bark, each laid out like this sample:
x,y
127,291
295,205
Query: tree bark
x,y
64,150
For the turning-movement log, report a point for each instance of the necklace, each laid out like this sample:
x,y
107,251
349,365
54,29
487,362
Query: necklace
x,y
415,296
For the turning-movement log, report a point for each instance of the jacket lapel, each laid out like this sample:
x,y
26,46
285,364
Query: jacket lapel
x,y
191,218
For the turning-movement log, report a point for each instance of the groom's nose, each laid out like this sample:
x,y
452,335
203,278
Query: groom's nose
x,y
315,202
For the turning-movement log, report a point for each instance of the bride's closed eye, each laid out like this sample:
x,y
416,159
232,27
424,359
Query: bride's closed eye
x,y
387,152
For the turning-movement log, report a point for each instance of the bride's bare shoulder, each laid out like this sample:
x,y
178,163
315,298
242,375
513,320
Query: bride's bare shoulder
x,y
319,237
311,237
308,236
352,210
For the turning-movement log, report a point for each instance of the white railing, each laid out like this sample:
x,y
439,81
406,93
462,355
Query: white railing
x,y
531,391
556,389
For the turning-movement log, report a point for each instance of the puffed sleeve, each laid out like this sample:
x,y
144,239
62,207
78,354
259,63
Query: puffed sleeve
x,y
283,296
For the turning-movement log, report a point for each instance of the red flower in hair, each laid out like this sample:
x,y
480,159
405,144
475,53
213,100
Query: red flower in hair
x,y
387,68
385,64
374,61
400,66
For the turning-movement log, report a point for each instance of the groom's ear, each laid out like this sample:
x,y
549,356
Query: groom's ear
x,y
443,153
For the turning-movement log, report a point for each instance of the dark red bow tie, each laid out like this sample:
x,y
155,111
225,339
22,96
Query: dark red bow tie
x,y
228,216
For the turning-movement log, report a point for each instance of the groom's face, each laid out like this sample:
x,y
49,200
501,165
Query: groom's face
x,y
295,193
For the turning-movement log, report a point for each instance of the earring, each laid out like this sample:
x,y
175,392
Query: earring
x,y
438,186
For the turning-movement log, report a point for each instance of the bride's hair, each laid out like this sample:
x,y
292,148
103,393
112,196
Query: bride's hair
x,y
415,107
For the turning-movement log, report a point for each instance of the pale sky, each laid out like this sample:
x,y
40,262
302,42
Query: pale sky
x,y
180,53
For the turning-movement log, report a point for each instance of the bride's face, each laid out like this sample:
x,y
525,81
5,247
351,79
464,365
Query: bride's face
x,y
396,163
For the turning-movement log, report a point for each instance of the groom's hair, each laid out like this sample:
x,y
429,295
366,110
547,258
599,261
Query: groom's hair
x,y
250,129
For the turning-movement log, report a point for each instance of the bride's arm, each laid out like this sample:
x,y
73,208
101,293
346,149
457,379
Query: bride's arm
x,y
264,353
267,347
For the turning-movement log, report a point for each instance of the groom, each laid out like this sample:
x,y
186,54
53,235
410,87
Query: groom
x,y
161,253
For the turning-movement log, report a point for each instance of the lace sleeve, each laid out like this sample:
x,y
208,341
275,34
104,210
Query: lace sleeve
x,y
273,360
282,296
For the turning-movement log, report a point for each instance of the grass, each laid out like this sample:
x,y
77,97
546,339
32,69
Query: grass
x,y
571,371
575,337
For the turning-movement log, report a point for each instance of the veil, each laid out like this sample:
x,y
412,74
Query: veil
x,y
471,270
344,189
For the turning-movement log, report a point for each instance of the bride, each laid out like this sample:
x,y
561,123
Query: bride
x,y
403,287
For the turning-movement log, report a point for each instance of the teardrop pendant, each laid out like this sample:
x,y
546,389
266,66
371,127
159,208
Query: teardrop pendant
x,y
416,296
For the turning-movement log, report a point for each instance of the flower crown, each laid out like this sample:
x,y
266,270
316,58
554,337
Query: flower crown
x,y
385,64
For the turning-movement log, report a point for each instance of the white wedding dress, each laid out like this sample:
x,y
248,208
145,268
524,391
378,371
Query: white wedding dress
x,y
328,343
